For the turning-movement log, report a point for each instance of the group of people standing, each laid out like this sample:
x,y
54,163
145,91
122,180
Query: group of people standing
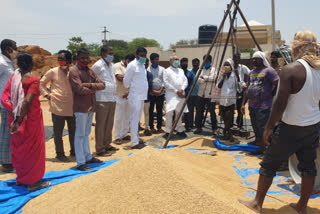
x,y
120,93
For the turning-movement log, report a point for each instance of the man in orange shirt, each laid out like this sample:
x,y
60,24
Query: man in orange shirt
x,y
61,102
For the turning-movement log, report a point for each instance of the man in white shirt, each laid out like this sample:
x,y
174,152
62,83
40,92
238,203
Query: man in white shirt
x,y
106,103
206,87
228,83
121,126
135,79
8,52
244,76
175,83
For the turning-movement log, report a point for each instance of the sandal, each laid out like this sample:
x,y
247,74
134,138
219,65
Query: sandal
x,y
84,167
94,160
112,148
141,141
104,154
118,142
138,146
38,185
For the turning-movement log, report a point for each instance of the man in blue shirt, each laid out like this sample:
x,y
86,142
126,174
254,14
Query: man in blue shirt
x,y
190,77
194,98
156,93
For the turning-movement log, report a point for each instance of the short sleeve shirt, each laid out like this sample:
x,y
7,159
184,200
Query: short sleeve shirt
x,y
119,68
260,88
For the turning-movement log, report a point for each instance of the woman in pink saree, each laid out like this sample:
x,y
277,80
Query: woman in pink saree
x,y
21,99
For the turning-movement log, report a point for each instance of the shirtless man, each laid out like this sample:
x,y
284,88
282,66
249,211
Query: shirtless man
x,y
296,108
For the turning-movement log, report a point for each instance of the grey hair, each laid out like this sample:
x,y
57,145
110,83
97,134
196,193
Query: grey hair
x,y
171,57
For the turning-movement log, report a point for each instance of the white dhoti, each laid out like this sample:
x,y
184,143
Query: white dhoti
x,y
136,108
121,124
174,104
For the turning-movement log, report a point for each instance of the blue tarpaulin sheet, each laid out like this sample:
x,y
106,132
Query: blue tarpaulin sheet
x,y
237,147
13,197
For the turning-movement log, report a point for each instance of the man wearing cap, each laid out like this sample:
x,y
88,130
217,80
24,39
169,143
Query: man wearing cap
x,y
262,82
296,108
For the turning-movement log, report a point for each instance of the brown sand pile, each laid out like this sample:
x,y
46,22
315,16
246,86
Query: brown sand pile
x,y
42,59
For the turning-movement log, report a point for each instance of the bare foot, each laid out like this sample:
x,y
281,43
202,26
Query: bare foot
x,y
298,209
290,181
251,205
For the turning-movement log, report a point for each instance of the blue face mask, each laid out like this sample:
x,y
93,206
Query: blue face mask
x,y
109,58
207,65
154,65
176,63
142,60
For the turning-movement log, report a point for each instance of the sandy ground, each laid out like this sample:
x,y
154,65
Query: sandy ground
x,y
155,181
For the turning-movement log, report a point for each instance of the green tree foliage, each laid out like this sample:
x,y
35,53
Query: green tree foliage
x,y
75,43
141,42
120,44
121,48
184,42
248,50
94,49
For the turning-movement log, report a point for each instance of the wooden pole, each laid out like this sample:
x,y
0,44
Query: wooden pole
x,y
198,73
227,42
249,28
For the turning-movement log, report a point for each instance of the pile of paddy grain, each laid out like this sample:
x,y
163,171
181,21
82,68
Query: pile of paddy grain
x,y
149,181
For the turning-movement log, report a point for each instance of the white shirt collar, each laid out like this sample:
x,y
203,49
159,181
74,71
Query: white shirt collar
x,y
6,58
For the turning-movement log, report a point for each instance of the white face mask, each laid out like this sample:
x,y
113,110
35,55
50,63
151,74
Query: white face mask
x,y
109,58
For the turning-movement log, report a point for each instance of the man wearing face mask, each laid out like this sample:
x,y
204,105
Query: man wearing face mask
x,y
206,85
190,77
157,92
175,83
106,103
135,79
8,52
84,83
228,83
60,102
121,123
262,82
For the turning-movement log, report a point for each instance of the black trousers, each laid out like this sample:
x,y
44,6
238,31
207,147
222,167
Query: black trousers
x,y
192,104
58,126
203,102
158,102
239,119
